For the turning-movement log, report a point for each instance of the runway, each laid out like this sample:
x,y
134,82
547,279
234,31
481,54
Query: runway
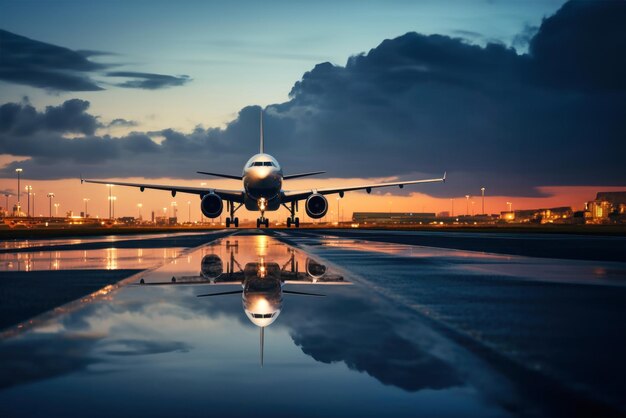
x,y
452,328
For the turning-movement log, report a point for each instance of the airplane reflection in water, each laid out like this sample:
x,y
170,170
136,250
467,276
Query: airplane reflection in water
x,y
261,283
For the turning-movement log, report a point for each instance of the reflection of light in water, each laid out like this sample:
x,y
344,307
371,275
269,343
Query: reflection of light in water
x,y
261,244
111,258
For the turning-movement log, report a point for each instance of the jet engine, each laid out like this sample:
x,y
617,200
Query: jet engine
x,y
211,267
316,206
211,205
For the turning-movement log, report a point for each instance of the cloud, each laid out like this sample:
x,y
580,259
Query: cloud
x,y
120,122
39,64
582,47
18,120
413,106
149,81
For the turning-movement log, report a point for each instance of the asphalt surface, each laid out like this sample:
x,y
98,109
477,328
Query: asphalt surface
x,y
566,246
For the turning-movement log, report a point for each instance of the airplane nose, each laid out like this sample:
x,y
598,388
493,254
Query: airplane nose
x,y
263,173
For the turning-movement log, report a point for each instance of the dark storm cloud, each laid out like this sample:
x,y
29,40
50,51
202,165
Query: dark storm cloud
x,y
414,105
17,120
582,47
39,64
149,81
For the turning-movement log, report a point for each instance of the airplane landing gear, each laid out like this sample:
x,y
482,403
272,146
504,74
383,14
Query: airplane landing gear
x,y
262,221
292,220
232,219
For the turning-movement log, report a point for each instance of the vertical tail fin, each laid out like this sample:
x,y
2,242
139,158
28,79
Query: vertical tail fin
x,y
261,150
262,343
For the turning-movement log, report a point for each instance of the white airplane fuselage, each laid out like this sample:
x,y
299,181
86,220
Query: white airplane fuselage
x,y
262,181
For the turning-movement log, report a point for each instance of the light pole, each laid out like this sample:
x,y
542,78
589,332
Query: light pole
x,y
338,210
189,210
139,206
56,209
18,171
113,199
510,206
482,191
28,190
6,196
50,196
110,186
34,213
85,199
467,204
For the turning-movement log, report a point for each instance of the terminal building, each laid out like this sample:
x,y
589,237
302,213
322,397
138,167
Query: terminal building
x,y
563,214
608,207
368,218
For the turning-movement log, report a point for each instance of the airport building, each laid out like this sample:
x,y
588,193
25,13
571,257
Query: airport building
x,y
562,214
368,218
608,207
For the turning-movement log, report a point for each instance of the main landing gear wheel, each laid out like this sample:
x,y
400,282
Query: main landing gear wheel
x,y
234,221
294,221
288,222
297,222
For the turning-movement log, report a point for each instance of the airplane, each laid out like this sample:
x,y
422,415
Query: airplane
x,y
262,191
261,284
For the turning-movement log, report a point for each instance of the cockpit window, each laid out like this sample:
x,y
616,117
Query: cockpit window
x,y
262,163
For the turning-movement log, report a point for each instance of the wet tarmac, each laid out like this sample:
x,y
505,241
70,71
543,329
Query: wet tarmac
x,y
286,323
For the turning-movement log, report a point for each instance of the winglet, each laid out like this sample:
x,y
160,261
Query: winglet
x,y
261,115
444,176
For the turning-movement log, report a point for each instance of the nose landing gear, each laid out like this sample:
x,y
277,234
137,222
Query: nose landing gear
x,y
262,221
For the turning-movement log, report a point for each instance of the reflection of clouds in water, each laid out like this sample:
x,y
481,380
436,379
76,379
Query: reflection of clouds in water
x,y
44,356
128,347
38,357
368,341
343,327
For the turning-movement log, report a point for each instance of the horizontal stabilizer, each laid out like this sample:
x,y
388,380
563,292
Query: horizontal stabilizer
x,y
295,176
227,176
234,292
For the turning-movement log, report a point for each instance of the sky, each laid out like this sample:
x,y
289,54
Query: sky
x,y
525,98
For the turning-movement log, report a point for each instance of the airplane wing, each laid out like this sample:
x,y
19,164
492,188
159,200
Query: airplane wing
x,y
231,195
224,279
296,176
291,196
